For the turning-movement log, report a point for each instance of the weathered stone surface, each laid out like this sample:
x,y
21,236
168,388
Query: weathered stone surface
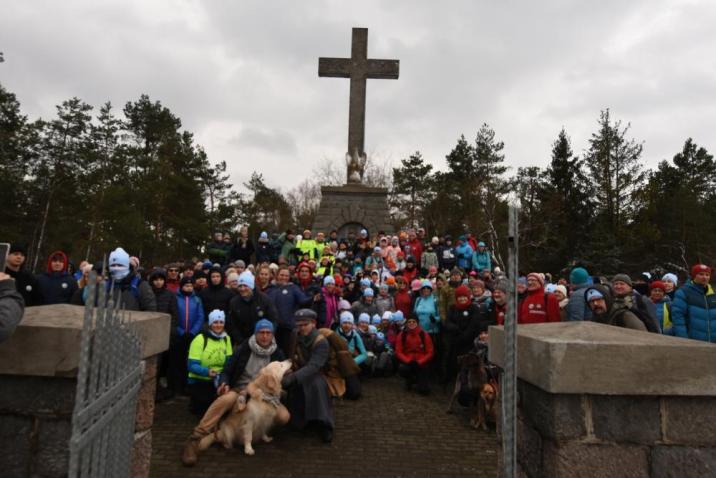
x,y
15,439
529,449
53,452
37,395
555,416
682,462
626,419
690,420
52,333
145,405
574,459
580,357
141,454
353,206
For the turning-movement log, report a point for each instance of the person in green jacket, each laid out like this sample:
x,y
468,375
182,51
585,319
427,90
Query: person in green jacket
x,y
288,244
307,245
208,354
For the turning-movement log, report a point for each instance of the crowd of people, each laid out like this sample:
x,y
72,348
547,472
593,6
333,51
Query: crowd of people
x,y
347,308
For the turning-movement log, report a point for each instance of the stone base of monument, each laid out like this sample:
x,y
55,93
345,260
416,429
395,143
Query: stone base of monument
x,y
38,368
353,207
596,400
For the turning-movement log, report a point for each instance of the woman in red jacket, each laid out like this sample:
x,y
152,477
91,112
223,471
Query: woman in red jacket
x,y
537,306
414,351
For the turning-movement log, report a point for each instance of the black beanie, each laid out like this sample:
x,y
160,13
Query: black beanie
x,y
186,280
18,247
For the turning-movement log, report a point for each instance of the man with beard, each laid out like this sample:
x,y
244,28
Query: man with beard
x,y
604,311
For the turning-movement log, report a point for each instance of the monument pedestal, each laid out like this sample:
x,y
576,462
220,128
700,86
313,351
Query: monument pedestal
x,y
353,207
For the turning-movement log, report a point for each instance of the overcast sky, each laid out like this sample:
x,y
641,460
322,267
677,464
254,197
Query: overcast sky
x,y
242,75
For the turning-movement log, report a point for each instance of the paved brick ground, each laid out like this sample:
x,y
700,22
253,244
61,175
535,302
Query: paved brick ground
x,y
388,433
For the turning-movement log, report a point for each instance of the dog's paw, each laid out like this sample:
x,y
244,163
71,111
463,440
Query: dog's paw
x,y
267,439
249,451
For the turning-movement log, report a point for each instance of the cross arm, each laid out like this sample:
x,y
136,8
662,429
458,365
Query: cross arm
x,y
384,69
334,67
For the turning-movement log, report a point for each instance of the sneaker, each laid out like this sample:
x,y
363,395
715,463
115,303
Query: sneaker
x,y
191,452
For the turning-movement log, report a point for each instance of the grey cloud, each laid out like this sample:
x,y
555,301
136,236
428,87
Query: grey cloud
x,y
280,142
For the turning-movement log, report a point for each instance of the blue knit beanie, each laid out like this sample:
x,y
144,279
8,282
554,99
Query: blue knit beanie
x,y
263,324
364,318
346,316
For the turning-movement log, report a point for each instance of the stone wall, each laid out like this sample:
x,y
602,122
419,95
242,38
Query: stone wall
x,y
596,400
566,435
38,367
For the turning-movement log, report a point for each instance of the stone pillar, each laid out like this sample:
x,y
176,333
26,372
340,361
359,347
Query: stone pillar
x,y
596,400
353,204
38,369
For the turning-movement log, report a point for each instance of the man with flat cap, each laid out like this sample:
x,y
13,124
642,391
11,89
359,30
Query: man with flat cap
x,y
309,401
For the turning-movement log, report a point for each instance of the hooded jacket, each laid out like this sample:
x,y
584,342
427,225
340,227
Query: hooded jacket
x,y
191,314
619,316
244,313
287,298
538,307
57,287
135,293
216,296
410,346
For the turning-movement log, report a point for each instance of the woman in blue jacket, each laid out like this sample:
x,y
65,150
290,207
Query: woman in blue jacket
x,y
357,350
426,310
694,307
190,312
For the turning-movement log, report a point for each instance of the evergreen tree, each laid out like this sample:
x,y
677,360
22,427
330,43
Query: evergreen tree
x,y
412,188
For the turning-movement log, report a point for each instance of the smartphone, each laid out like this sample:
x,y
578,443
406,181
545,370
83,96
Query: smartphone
x,y
4,249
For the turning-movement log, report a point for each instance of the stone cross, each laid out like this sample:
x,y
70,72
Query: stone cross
x,y
358,68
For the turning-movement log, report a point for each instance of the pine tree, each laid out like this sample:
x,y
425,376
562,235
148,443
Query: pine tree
x,y
412,188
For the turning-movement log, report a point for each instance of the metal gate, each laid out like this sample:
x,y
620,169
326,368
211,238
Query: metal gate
x,y
108,382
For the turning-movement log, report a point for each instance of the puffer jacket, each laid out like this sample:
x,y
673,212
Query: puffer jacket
x,y
190,311
694,312
411,346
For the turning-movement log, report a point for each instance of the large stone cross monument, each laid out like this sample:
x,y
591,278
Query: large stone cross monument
x,y
355,206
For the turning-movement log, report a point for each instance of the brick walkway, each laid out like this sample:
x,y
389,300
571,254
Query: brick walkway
x,y
388,433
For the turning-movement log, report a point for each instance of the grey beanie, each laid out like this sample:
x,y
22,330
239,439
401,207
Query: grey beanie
x,y
622,278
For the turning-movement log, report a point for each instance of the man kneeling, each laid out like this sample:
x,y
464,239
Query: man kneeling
x,y
246,362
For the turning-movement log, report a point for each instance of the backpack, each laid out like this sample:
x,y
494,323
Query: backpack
x,y
643,315
206,340
345,365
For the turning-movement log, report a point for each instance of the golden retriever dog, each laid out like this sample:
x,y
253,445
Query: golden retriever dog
x,y
247,424
486,409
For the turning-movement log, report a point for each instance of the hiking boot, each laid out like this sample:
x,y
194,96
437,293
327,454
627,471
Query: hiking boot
x,y
326,433
191,452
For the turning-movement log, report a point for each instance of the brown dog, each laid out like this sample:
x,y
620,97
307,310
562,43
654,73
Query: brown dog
x,y
470,378
486,409
249,423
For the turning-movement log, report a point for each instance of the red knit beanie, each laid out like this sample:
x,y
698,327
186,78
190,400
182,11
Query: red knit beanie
x,y
657,284
462,291
699,268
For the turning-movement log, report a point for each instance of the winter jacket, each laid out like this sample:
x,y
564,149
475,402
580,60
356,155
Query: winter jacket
x,y
288,299
403,302
618,312
135,293
263,252
28,287
207,352
327,308
286,247
428,260
446,257
190,311
384,304
498,313
461,327
355,345
360,306
577,307
464,253
57,287
216,297
167,303
217,252
414,248
414,345
308,246
241,251
694,312
481,260
11,308
538,307
426,311
243,315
